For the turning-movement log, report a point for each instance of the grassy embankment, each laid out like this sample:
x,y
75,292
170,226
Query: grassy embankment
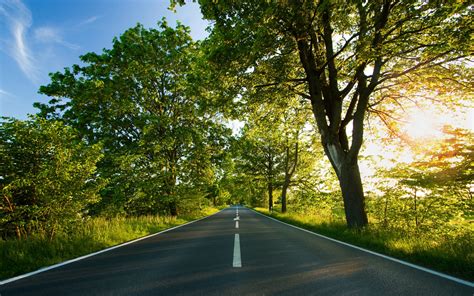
x,y
450,253
21,256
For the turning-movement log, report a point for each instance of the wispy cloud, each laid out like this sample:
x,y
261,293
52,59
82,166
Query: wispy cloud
x,y
4,93
17,18
53,35
88,21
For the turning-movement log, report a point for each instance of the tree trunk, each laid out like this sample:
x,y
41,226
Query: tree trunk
x,y
353,195
173,209
270,196
284,190
289,170
283,199
171,186
416,212
17,232
326,103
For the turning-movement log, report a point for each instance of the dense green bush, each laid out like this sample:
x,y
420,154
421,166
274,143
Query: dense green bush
x,y
47,176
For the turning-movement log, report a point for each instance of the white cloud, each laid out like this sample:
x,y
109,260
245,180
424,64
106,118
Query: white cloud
x,y
46,34
5,93
89,20
52,35
18,19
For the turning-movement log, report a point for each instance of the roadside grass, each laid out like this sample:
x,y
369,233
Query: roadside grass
x,y
25,255
451,253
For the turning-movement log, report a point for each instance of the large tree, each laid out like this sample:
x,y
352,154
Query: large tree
x,y
142,99
339,55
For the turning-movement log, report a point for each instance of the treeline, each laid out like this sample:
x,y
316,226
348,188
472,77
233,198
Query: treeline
x,y
126,133
344,62
277,165
143,128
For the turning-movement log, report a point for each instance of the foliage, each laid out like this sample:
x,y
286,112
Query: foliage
x,y
48,176
339,56
143,99
142,129
274,152
434,192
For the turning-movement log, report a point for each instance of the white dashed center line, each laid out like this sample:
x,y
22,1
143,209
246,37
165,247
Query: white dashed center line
x,y
237,261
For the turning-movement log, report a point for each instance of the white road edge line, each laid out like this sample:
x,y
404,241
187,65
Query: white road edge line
x,y
237,262
440,274
22,276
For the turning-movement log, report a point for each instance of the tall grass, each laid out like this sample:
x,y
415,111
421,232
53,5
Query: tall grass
x,y
36,251
450,252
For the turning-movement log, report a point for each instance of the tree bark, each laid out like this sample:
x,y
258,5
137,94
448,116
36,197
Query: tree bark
x,y
353,195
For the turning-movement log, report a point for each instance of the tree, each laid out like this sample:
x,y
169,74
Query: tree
x,y
340,55
275,145
260,158
295,146
47,176
143,99
432,191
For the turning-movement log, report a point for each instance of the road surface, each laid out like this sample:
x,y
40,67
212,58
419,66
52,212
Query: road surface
x,y
214,257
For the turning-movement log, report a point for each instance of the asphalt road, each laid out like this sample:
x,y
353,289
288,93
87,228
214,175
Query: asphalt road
x,y
213,257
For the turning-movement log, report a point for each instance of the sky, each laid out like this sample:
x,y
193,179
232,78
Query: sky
x,y
38,37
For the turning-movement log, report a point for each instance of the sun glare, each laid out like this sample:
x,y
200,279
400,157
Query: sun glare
x,y
421,125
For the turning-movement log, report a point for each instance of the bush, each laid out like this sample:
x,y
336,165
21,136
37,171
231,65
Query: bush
x,y
47,176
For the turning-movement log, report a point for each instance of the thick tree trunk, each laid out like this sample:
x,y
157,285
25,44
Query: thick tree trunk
x,y
353,195
327,105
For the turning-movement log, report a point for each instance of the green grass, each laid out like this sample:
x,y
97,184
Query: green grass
x,y
21,256
451,253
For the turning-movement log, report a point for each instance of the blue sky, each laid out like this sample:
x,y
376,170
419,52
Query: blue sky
x,y
42,36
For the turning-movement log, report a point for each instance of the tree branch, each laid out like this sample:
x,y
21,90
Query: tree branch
x,y
350,110
415,67
281,82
